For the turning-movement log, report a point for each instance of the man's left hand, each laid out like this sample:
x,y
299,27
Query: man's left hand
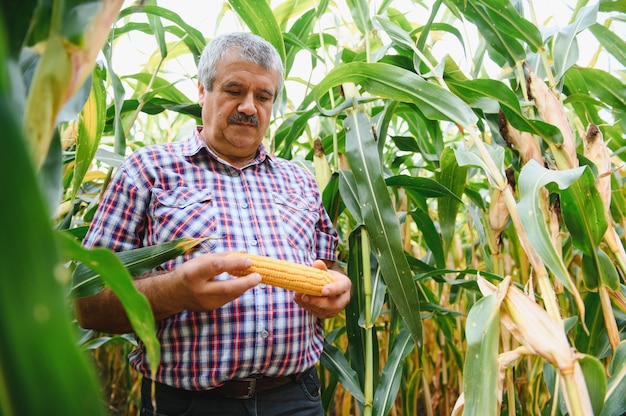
x,y
335,296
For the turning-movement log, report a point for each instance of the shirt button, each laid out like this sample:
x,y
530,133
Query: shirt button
x,y
264,334
243,205
253,243
262,285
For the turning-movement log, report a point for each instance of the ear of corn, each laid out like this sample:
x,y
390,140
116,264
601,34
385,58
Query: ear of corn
x,y
287,275
551,111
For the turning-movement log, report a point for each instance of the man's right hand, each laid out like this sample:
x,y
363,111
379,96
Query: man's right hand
x,y
199,291
191,286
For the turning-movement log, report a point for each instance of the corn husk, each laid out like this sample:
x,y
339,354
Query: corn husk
x,y
531,325
523,141
322,168
551,111
498,213
542,335
595,150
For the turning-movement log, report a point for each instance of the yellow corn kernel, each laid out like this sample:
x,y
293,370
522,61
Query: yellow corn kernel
x,y
287,275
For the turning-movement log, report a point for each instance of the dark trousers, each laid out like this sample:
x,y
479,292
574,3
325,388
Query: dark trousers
x,y
300,397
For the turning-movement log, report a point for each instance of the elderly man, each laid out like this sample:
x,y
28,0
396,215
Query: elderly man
x,y
229,345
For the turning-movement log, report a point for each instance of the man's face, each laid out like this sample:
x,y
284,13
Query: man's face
x,y
237,112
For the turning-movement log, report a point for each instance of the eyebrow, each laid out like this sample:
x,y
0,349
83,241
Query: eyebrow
x,y
239,84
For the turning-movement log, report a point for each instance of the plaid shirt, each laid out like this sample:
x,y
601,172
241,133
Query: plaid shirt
x,y
270,207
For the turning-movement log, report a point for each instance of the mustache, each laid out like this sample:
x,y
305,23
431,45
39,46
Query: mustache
x,y
238,117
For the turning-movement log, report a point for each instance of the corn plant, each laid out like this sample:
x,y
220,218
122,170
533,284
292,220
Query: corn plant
x,y
478,192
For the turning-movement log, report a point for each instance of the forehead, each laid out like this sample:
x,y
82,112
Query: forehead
x,y
232,68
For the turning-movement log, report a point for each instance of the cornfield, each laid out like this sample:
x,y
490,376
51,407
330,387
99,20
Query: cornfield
x,y
472,161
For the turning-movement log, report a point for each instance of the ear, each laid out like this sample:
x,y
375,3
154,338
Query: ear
x,y
201,92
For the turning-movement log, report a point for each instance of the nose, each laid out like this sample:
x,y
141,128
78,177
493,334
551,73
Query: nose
x,y
246,106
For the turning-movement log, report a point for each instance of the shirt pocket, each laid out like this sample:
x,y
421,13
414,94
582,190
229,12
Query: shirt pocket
x,y
299,217
184,212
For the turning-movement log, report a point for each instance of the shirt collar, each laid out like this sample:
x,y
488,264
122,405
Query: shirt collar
x,y
194,145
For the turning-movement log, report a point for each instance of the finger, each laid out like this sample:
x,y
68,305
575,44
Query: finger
x,y
319,264
222,262
233,287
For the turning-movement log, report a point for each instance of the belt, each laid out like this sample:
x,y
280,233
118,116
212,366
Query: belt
x,y
243,388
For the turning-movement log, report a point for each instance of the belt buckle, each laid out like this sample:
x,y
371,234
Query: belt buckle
x,y
250,388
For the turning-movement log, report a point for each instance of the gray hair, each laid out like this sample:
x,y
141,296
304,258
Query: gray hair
x,y
247,46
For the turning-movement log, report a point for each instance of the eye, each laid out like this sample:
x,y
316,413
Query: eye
x,y
233,93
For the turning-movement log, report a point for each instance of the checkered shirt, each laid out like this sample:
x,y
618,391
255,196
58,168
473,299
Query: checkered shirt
x,y
270,207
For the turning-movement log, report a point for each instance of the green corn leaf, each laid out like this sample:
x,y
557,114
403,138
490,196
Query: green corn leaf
x,y
613,44
609,89
614,403
161,87
117,277
333,360
599,270
479,93
157,29
502,46
431,236
480,372
88,281
380,219
592,338
427,187
349,194
583,212
618,200
290,9
391,377
39,351
261,21
506,18
356,307
474,158
531,179
389,81
359,9
190,32
453,177
595,379
565,50
613,6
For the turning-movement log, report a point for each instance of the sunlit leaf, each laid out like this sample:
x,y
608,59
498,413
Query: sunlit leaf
x,y
260,19
389,81
90,127
359,9
565,48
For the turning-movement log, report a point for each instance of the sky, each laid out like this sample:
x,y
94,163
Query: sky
x,y
203,14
